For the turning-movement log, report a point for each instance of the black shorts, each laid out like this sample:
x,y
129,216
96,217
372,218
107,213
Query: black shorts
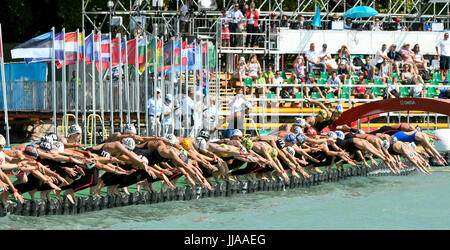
x,y
444,62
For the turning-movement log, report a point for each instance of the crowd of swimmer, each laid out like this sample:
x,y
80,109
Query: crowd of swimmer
x,y
62,164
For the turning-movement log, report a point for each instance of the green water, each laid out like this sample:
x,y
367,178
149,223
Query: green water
x,y
414,201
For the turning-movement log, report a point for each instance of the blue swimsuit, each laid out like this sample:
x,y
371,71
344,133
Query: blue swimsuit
x,y
402,136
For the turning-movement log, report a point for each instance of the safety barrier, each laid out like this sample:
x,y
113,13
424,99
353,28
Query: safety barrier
x,y
224,189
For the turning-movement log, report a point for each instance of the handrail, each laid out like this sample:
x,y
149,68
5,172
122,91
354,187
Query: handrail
x,y
90,129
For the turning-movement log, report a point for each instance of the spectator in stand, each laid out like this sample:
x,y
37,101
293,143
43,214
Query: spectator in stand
x,y
235,16
361,92
285,22
308,89
312,59
392,90
274,25
225,29
334,18
444,92
408,57
334,84
424,26
252,16
138,31
268,75
254,68
167,115
418,59
343,60
443,50
299,67
399,26
367,69
185,17
380,56
395,58
302,24
417,91
325,58
278,80
409,76
292,80
376,25
384,72
241,72
348,24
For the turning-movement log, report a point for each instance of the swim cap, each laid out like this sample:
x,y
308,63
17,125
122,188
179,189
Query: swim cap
x,y
332,134
74,129
394,139
311,132
51,137
204,134
31,150
291,150
418,128
290,138
144,159
186,144
297,130
129,129
300,121
413,145
322,113
339,109
201,143
247,143
273,153
46,143
301,139
225,146
281,144
236,132
360,132
172,139
58,146
385,144
340,135
129,143
2,141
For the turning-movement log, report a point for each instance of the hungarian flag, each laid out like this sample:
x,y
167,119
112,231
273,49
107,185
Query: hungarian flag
x,y
72,46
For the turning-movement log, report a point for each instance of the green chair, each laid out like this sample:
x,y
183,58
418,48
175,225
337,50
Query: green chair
x,y
329,96
283,75
434,82
248,82
321,81
404,91
299,95
344,94
324,75
270,95
313,76
437,76
315,95
432,92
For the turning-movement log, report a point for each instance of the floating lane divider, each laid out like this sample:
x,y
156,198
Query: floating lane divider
x,y
227,189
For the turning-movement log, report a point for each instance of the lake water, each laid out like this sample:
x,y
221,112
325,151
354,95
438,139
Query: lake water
x,y
414,201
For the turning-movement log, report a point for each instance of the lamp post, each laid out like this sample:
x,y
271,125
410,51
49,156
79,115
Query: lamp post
x,y
110,5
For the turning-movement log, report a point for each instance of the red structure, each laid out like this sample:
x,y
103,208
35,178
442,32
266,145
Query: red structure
x,y
434,105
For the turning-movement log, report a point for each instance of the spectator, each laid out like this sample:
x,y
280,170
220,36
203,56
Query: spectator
x,y
348,24
392,90
334,84
312,59
399,26
381,55
384,71
274,25
334,18
408,56
394,57
308,89
184,113
225,29
424,25
254,68
409,76
418,59
302,24
292,80
278,80
138,31
167,114
210,113
154,113
361,92
444,93
344,63
285,22
252,16
376,25
185,17
235,16
299,67
325,58
417,91
443,50
268,75
367,69
241,72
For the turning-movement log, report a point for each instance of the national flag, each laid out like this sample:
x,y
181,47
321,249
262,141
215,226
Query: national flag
x,y
115,51
35,50
316,21
71,48
92,48
1,41
141,55
104,54
168,55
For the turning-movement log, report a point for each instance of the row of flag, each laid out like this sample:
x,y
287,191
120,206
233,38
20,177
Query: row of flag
x,y
103,50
